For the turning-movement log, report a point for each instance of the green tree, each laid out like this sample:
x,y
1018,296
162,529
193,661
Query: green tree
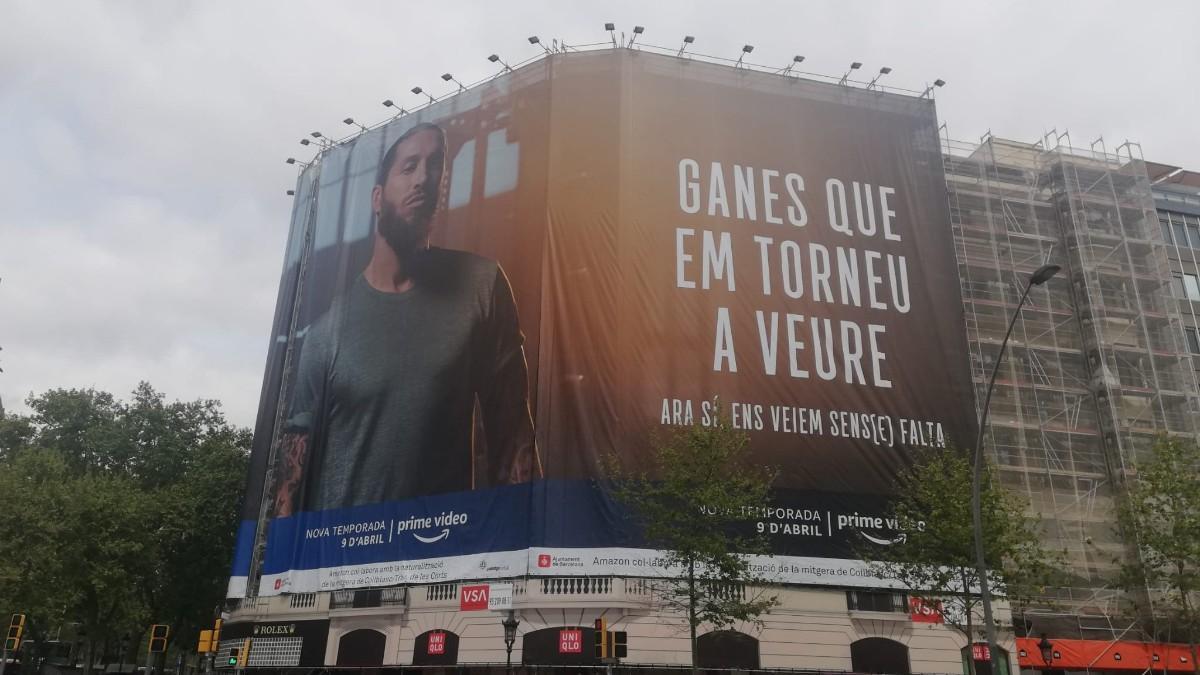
x,y
121,513
936,560
693,506
1160,511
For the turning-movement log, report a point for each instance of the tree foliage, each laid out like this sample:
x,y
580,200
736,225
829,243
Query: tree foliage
x,y
936,561
1161,513
117,514
694,506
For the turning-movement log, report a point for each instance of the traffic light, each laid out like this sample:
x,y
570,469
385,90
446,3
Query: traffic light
x,y
234,656
16,628
205,645
244,653
620,644
601,639
159,633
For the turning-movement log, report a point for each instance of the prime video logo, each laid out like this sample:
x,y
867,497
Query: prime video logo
x,y
862,523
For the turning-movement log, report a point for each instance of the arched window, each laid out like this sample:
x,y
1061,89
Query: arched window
x,y
879,655
983,667
362,648
727,649
560,646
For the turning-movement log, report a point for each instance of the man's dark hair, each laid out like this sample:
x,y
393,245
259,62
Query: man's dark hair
x,y
389,157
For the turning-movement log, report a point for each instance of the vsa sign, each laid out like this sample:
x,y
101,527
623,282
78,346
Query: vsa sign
x,y
924,611
478,597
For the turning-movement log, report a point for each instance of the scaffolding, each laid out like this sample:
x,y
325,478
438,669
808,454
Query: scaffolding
x,y
1097,365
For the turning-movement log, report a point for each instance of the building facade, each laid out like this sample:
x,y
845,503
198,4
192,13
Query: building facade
x,y
825,629
1099,364
1101,358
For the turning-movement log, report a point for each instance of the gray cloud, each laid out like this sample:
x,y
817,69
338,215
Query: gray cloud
x,y
142,207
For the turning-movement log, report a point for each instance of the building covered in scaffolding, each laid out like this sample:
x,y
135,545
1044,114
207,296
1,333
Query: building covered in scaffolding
x,y
1098,362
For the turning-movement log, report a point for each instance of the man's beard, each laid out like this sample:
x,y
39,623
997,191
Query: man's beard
x,y
404,237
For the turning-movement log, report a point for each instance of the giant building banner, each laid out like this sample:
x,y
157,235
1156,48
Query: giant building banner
x,y
483,301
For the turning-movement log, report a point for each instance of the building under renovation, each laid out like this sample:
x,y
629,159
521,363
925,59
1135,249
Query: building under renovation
x,y
1098,362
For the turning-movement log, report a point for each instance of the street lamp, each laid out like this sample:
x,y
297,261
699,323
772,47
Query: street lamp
x,y
1047,649
1040,276
510,624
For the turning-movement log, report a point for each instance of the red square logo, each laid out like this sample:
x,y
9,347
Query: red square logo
x,y
570,641
473,598
278,584
544,560
437,643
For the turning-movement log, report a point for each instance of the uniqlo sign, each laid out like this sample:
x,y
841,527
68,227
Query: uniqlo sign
x,y
473,598
437,643
980,652
920,611
570,641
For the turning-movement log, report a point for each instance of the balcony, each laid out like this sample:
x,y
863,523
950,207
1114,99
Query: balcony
x,y
368,598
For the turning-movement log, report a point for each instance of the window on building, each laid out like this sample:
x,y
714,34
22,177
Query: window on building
x,y
1193,234
876,601
1180,232
1165,223
1193,340
1191,286
1177,286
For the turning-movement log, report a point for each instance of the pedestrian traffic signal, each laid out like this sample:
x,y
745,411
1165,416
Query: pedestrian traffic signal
x,y
233,656
16,629
159,633
620,644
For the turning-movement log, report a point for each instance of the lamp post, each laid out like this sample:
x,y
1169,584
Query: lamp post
x,y
1047,649
510,624
1040,276
124,648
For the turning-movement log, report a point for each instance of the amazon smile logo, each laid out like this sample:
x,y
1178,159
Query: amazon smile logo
x,y
429,540
441,524
898,539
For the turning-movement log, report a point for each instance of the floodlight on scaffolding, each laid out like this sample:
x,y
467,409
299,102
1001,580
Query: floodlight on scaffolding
x,y
687,40
291,193
389,103
612,31
418,91
450,78
349,121
495,58
535,40
882,71
796,60
746,49
929,90
637,30
853,67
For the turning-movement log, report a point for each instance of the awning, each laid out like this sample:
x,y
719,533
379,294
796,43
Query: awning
x,y
1105,655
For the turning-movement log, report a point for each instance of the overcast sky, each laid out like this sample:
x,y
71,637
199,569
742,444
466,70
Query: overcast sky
x,y
142,205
